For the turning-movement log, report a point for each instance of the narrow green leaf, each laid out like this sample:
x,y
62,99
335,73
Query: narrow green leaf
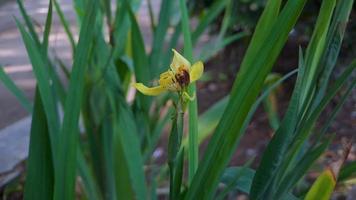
x,y
209,16
333,44
8,82
322,187
28,22
333,115
40,173
172,44
308,122
347,171
274,153
47,27
232,178
159,35
66,171
178,174
130,177
316,47
175,156
156,133
89,185
247,85
294,175
107,11
42,78
264,25
209,119
193,150
240,177
211,49
140,61
65,24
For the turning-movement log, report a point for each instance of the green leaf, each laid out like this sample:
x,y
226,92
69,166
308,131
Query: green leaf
x,y
333,44
47,27
275,152
323,187
209,16
241,177
89,185
214,47
28,22
159,35
247,85
233,178
307,123
40,173
193,150
295,174
156,133
316,47
65,24
41,74
209,119
7,81
178,174
347,171
140,61
66,168
130,177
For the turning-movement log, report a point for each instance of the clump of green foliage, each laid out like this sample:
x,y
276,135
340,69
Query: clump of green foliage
x,y
111,152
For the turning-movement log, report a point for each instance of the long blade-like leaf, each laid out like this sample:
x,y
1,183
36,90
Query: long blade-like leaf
x,y
193,105
40,172
8,82
247,85
66,168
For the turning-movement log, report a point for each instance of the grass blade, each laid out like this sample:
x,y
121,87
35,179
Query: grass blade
x,y
140,60
301,168
7,81
65,24
211,14
278,145
193,105
45,91
209,119
159,35
307,123
247,85
40,172
316,47
66,171
322,187
28,22
47,27
232,179
333,44
90,187
347,171
130,177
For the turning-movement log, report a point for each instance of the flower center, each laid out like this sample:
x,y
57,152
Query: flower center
x,y
182,77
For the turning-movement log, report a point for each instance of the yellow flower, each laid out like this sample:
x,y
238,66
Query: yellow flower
x,y
176,79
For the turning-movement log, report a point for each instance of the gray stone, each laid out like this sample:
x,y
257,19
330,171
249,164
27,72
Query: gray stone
x,y
14,142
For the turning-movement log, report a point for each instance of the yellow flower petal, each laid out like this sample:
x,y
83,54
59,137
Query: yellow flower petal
x,y
196,71
167,80
153,91
179,61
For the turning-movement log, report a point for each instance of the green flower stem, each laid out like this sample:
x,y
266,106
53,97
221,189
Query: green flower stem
x,y
174,146
193,147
